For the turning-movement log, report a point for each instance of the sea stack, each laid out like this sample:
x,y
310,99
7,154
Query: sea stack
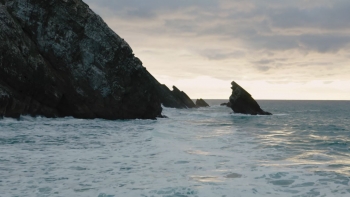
x,y
183,98
242,102
201,103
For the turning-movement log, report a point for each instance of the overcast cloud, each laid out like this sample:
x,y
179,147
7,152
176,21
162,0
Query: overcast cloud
x,y
257,43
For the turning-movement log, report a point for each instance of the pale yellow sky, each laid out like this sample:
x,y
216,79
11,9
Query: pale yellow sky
x,y
274,49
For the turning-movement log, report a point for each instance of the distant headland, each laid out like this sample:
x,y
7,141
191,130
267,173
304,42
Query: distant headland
x,y
64,60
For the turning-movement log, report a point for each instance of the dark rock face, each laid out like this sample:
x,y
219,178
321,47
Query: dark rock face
x,y
242,102
182,98
168,99
201,103
58,58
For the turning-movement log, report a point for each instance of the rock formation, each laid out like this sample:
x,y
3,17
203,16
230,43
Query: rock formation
x,y
58,58
168,99
201,103
242,102
228,104
182,98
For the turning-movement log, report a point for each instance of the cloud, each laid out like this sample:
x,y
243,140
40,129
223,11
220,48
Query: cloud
x,y
219,54
272,25
263,68
282,41
264,61
322,16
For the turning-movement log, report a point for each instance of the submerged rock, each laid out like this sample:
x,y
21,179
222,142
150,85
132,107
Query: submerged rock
x,y
228,104
201,103
58,58
242,102
233,176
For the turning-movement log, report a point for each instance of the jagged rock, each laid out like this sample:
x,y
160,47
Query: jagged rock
x,y
201,103
58,58
228,104
182,97
168,99
242,102
175,98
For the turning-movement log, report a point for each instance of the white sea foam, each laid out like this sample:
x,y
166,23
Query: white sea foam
x,y
195,152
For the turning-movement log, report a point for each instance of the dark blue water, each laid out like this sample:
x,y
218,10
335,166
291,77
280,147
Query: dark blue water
x,y
304,128
301,150
311,135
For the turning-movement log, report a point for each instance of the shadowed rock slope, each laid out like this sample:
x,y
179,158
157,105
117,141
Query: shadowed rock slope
x,y
201,103
242,102
173,99
58,58
182,97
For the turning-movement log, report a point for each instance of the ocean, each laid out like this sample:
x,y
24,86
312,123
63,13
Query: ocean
x,y
301,150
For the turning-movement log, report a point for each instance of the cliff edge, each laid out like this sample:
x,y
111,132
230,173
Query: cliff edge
x,y
58,58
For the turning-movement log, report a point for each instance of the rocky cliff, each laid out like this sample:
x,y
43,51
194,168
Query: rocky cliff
x,y
242,102
58,58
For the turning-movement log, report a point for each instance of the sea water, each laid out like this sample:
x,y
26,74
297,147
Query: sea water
x,y
301,150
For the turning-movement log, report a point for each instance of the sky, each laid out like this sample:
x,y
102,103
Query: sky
x,y
292,50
